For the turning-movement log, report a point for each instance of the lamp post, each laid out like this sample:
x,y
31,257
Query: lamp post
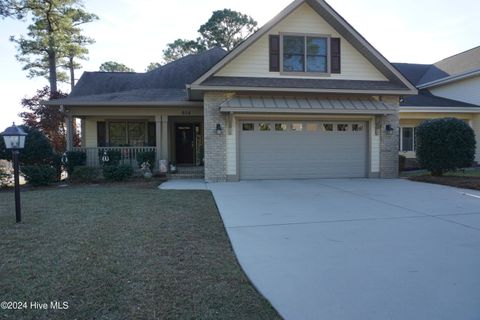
x,y
14,138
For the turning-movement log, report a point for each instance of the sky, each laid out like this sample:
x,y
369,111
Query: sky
x,y
135,32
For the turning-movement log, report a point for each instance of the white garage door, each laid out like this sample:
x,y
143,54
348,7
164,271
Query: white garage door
x,y
303,149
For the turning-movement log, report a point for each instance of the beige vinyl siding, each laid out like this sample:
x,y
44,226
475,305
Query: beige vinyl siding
x,y
254,61
232,150
374,149
467,90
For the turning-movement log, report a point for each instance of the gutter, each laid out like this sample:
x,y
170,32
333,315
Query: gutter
x,y
124,104
450,79
413,109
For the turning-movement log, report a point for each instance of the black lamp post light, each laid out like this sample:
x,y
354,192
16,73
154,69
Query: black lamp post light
x,y
14,138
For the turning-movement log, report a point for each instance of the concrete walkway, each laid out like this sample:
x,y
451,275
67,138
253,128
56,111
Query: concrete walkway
x,y
357,249
184,184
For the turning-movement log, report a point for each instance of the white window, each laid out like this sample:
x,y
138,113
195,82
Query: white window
x,y
407,139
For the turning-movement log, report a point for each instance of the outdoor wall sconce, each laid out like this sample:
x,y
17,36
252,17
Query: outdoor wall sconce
x,y
219,129
14,138
389,129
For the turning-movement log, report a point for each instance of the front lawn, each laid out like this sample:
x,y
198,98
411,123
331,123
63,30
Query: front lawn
x,y
114,252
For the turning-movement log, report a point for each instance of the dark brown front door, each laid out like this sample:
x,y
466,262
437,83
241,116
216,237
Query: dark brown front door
x,y
184,143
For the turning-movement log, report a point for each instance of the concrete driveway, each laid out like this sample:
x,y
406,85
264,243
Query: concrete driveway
x,y
357,249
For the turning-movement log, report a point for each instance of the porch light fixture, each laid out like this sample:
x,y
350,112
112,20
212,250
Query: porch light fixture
x,y
219,129
389,128
14,138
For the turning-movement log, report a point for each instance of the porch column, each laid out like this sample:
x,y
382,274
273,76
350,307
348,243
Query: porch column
x,y
83,131
158,138
164,143
69,138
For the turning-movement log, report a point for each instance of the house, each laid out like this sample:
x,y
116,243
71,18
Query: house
x,y
447,88
306,96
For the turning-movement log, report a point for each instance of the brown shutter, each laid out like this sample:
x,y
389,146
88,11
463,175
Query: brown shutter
x,y
335,55
101,134
274,53
152,137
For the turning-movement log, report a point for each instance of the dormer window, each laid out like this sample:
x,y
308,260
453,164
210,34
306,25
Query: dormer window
x,y
294,54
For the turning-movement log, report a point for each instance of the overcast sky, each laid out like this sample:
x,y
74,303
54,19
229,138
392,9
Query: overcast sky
x,y
135,32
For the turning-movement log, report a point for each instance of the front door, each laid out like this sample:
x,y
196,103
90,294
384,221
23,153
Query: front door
x,y
185,143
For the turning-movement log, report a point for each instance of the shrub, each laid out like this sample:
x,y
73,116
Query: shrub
x,y
38,149
39,175
75,159
85,174
114,157
117,173
146,156
401,163
4,176
444,145
56,163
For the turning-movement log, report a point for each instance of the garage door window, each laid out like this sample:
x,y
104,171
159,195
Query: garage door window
x,y
264,126
280,127
297,126
327,127
247,127
312,127
357,127
342,127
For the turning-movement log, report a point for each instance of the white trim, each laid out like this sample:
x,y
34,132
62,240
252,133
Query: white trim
x,y
450,79
401,138
433,109
298,90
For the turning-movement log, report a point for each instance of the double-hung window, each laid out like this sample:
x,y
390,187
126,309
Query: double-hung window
x,y
407,139
305,54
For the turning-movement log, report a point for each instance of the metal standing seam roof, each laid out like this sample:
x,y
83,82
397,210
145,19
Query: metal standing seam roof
x,y
285,104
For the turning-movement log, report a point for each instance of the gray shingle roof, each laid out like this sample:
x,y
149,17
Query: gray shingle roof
x,y
302,83
426,99
166,83
413,72
137,96
460,63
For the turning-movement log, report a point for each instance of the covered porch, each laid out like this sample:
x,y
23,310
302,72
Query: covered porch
x,y
171,134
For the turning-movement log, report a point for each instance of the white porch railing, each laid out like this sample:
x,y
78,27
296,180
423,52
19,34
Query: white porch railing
x,y
127,155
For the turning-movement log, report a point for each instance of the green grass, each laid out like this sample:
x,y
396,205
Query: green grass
x,y
122,253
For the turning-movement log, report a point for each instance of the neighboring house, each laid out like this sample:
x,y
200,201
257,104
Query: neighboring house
x,y
306,96
448,88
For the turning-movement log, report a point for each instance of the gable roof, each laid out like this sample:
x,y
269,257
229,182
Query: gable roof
x,y
339,24
164,84
459,66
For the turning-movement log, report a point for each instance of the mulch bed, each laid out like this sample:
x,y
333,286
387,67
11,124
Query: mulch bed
x,y
459,182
